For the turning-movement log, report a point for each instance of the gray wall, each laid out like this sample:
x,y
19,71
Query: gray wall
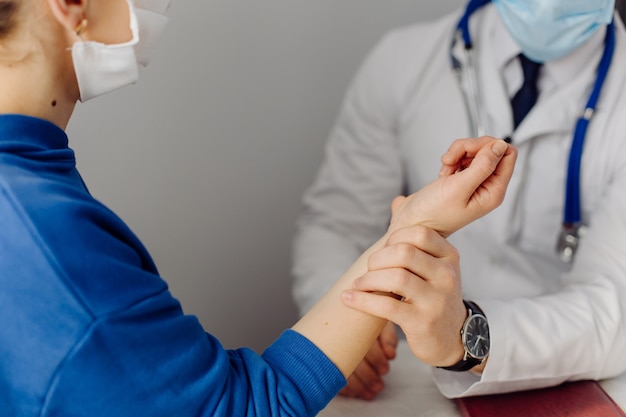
x,y
207,156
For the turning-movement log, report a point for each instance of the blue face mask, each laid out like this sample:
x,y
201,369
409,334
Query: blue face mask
x,y
547,30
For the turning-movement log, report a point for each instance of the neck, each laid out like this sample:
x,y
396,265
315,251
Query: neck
x,y
33,86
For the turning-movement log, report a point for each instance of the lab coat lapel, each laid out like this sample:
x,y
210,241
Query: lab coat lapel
x,y
557,111
495,98
555,114
493,91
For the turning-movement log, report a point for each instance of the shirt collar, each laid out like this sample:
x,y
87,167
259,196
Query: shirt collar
x,y
36,140
26,132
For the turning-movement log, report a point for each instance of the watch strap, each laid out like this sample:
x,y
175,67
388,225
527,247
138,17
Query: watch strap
x,y
463,365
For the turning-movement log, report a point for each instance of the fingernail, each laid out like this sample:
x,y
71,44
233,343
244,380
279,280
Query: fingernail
x,y
499,147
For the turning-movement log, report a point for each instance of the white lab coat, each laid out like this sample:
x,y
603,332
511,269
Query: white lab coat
x,y
549,322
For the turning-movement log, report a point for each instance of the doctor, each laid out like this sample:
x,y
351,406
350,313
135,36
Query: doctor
x,y
548,268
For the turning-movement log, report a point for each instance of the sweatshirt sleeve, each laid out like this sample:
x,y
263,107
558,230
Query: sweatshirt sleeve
x,y
152,360
91,329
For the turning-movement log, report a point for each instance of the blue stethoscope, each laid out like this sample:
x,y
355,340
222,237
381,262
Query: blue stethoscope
x,y
572,228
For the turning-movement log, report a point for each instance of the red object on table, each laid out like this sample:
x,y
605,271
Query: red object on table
x,y
571,399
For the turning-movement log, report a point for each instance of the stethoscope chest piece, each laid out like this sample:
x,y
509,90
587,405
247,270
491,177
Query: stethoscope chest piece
x,y
568,241
572,227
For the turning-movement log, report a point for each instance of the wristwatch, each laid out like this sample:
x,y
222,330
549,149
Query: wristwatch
x,y
475,338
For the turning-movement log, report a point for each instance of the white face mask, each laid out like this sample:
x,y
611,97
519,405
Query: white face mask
x,y
102,68
151,21
547,30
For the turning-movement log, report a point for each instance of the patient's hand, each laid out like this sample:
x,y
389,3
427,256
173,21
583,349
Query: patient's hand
x,y
471,183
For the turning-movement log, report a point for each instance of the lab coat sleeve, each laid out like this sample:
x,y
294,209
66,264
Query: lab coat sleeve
x,y
348,206
576,333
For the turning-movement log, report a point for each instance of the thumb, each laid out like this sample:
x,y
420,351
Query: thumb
x,y
482,166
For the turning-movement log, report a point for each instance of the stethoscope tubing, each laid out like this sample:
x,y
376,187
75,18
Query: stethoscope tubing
x,y
572,212
572,224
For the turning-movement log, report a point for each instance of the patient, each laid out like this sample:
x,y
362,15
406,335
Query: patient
x,y
89,327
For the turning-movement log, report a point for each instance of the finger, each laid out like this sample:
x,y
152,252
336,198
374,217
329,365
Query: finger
x,y
347,392
464,162
461,153
377,359
397,267
462,148
369,377
437,260
424,238
358,387
397,281
491,192
504,170
377,305
388,340
355,388
482,166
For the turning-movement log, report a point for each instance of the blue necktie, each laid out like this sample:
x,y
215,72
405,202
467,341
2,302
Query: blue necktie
x,y
527,95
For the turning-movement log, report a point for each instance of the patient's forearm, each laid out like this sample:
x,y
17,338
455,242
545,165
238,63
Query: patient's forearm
x,y
343,334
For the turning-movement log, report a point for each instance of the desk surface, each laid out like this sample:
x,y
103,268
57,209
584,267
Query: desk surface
x,y
410,392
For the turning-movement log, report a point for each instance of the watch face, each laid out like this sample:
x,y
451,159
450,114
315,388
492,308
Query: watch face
x,y
476,336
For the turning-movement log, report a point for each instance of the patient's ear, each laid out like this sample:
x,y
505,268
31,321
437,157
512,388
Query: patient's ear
x,y
70,13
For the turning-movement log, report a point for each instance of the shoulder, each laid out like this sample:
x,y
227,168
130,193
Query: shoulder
x,y
91,250
398,60
414,43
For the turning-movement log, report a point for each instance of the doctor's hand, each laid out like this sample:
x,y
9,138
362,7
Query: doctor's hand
x,y
421,269
472,182
366,381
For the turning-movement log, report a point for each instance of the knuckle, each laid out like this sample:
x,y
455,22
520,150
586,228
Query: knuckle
x,y
372,262
459,142
421,234
448,279
403,252
488,166
400,278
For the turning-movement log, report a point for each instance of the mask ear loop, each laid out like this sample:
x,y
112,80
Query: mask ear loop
x,y
80,28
